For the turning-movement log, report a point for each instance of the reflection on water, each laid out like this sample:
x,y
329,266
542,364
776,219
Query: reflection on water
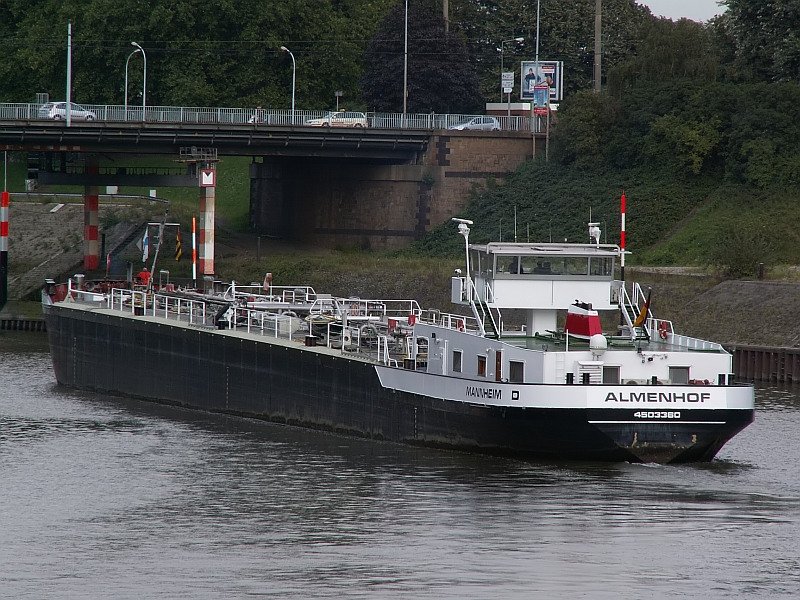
x,y
108,497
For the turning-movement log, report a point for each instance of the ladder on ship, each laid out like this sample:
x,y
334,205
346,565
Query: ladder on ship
x,y
631,306
491,323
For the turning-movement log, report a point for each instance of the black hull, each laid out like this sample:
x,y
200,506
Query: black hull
x,y
222,372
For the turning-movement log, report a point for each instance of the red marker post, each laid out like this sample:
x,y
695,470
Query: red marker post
x,y
4,201
622,202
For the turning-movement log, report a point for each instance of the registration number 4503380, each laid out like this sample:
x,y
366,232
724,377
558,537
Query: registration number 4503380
x,y
656,414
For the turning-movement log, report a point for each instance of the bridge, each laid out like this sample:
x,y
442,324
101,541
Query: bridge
x,y
378,186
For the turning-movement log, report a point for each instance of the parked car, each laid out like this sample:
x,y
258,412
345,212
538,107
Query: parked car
x,y
58,111
340,119
477,123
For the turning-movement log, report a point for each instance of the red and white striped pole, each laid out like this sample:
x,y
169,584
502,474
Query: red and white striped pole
x,y
91,219
622,202
207,210
3,248
194,252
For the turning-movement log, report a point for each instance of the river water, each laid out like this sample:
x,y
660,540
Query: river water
x,y
103,497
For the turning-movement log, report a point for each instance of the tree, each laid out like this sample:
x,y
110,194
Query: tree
x,y
441,77
566,33
668,51
227,54
766,35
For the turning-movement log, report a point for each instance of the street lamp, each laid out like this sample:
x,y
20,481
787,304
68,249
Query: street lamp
x,y
126,81
405,66
518,40
294,68
144,79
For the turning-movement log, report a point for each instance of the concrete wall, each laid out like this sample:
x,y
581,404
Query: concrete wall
x,y
360,204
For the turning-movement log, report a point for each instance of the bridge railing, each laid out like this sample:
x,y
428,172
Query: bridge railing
x,y
265,117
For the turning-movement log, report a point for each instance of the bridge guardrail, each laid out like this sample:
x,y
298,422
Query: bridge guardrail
x,y
264,117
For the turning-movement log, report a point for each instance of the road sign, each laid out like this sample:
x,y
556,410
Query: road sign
x,y
507,82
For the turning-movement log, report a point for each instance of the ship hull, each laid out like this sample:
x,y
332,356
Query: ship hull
x,y
226,372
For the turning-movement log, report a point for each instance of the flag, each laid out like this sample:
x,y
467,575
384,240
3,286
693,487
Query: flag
x,y
146,244
644,313
178,246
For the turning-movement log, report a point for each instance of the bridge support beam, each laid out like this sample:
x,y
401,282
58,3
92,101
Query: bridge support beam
x,y
91,219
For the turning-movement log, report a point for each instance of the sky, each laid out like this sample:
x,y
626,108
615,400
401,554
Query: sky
x,y
697,10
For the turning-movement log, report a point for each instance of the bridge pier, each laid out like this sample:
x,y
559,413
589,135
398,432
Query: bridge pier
x,y
373,204
269,209
335,203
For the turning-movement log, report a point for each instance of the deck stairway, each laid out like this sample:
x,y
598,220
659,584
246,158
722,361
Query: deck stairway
x,y
631,306
491,320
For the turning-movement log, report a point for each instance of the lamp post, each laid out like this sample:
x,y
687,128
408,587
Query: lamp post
x,y
405,65
294,68
126,81
68,106
144,79
518,40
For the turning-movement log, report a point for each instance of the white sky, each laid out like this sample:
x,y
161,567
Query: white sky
x,y
697,10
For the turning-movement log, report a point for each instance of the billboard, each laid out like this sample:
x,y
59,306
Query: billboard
x,y
540,103
545,72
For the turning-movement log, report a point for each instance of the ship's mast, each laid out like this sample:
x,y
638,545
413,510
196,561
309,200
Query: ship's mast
x,y
463,229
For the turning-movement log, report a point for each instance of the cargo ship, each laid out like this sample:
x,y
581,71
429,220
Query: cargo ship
x,y
587,372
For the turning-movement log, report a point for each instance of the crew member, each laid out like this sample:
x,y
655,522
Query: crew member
x,y
144,276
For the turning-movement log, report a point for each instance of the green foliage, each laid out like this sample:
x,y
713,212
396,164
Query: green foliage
x,y
440,76
765,38
566,33
688,143
668,51
582,132
744,132
732,229
227,54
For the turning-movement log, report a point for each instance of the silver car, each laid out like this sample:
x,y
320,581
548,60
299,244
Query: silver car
x,y
57,111
477,123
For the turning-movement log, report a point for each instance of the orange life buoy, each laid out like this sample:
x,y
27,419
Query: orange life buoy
x,y
662,330
460,324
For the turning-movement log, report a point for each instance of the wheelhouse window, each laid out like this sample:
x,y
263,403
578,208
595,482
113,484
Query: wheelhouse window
x,y
507,264
601,267
610,374
457,361
679,375
516,371
477,262
482,366
575,265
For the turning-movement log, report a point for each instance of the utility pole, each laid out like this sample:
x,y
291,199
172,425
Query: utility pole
x,y
405,66
446,15
598,5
